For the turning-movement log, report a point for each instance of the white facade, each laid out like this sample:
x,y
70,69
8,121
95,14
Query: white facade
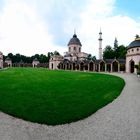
x,y
133,55
73,54
132,59
54,61
9,62
35,62
1,60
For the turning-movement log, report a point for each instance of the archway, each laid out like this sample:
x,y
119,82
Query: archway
x,y
62,66
73,66
86,66
70,66
115,66
67,66
102,66
109,67
91,66
132,66
52,66
81,66
77,66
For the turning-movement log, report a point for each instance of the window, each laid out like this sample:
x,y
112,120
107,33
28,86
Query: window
x,y
74,48
137,49
79,49
69,49
132,50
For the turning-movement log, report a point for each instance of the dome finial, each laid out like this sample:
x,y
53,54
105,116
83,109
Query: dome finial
x,y
137,37
74,31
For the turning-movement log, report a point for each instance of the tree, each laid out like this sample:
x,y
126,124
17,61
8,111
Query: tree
x,y
122,50
10,55
116,48
115,44
43,58
93,58
108,53
89,57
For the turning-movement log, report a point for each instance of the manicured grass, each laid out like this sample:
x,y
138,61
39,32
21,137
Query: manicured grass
x,y
55,97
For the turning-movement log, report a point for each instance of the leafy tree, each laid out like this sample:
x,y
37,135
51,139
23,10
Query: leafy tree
x,y
89,57
108,53
122,52
10,55
94,58
115,44
49,55
116,48
116,52
43,58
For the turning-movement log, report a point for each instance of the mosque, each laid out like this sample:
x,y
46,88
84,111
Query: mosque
x,y
74,59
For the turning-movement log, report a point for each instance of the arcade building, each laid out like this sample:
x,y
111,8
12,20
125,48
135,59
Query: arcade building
x,y
75,59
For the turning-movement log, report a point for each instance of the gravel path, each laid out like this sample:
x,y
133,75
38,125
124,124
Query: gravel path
x,y
120,120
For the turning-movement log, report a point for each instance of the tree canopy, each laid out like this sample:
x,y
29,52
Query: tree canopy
x,y
118,51
16,58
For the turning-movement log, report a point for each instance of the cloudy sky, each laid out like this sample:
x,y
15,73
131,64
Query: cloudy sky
x,y
39,26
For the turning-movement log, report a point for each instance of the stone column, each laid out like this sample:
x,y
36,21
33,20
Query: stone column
x,y
88,67
94,67
118,67
72,66
111,67
99,67
105,67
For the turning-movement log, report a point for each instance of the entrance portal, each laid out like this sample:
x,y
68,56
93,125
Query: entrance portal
x,y
132,64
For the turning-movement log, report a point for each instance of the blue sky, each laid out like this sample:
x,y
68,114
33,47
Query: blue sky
x,y
39,26
128,7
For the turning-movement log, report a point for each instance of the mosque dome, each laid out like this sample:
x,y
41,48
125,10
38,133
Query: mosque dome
x,y
135,43
74,41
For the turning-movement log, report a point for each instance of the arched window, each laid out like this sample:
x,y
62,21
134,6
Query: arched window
x,y
79,49
52,65
69,49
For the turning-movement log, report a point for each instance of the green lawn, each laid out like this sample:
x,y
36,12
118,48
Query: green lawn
x,y
55,97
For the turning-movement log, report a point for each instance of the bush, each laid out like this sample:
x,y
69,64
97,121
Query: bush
x,y
138,73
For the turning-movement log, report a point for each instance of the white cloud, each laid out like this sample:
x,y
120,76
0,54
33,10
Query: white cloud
x,y
23,28
100,14
23,31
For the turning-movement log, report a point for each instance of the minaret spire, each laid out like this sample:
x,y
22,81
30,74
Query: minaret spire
x,y
100,45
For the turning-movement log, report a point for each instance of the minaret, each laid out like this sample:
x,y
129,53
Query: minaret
x,y
100,45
